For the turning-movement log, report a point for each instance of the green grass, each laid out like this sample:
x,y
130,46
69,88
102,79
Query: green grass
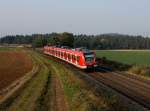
x,y
6,49
10,49
127,57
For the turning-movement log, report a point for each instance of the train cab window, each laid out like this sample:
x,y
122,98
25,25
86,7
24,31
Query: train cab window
x,y
89,57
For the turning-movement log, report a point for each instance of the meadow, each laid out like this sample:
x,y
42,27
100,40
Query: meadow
x,y
136,57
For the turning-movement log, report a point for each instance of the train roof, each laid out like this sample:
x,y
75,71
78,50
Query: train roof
x,y
80,50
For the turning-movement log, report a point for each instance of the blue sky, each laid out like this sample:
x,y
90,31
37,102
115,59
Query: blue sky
x,y
76,16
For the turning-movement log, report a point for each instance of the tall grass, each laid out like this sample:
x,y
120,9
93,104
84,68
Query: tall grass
x,y
140,70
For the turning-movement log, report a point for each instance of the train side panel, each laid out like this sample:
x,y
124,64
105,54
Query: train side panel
x,y
73,57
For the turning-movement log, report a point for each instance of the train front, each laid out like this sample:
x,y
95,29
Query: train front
x,y
90,59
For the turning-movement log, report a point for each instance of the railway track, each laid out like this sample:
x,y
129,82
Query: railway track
x,y
133,87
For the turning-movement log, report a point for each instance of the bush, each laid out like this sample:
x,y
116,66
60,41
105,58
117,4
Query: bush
x,y
140,70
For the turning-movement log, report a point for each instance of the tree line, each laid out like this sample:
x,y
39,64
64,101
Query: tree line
x,y
103,41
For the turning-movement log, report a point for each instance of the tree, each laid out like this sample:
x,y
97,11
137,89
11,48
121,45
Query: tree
x,y
39,42
66,39
104,41
53,41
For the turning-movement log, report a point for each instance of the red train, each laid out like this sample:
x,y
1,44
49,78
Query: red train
x,y
79,57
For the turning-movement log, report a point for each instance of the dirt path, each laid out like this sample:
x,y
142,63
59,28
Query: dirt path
x,y
59,100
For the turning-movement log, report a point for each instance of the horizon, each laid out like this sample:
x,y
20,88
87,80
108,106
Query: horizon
x,y
96,17
76,34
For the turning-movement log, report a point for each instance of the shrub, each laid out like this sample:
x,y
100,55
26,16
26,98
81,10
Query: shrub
x,y
140,70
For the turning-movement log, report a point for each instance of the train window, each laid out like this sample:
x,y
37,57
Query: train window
x,y
78,58
66,54
73,57
69,56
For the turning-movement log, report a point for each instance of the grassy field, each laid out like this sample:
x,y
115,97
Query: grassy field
x,y
127,57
